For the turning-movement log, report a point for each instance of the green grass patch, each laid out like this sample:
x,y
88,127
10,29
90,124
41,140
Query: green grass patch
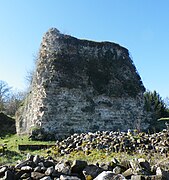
x,y
11,153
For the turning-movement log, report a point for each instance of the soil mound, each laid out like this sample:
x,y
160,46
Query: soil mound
x,y
7,125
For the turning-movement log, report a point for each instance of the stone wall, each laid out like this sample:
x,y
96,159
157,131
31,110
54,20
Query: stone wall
x,y
82,86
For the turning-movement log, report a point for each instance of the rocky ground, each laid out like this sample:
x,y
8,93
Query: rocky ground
x,y
116,142
36,167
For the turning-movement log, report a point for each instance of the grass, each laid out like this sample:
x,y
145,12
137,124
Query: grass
x,y
102,156
12,154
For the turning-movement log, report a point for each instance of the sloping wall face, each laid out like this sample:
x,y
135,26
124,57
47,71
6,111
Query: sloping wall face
x,y
82,86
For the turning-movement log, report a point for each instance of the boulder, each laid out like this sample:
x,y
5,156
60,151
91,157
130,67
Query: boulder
x,y
109,175
92,171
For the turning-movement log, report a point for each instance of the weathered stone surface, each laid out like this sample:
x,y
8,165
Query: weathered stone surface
x,y
21,164
2,170
26,175
81,82
8,175
26,168
49,171
128,172
63,167
117,170
117,142
65,177
36,159
63,171
142,177
144,164
46,178
92,171
37,175
48,163
78,166
105,175
108,175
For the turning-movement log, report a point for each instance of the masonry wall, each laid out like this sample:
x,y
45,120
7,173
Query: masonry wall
x,y
82,86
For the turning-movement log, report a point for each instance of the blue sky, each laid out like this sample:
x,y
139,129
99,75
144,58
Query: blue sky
x,y
142,26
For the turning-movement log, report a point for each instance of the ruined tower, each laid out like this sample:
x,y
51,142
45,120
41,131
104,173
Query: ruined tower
x,y
81,86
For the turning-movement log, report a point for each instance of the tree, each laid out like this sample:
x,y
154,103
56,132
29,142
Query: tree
x,y
166,101
4,94
30,73
14,101
156,106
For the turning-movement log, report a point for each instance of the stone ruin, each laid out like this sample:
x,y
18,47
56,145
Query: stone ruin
x,y
82,86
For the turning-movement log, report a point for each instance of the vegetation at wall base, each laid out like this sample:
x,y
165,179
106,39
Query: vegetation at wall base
x,y
10,154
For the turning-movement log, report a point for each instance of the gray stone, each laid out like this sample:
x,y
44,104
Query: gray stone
x,y
106,167
37,169
117,170
43,169
18,174
56,174
105,175
48,163
49,171
78,166
160,172
2,170
128,172
37,175
29,157
109,175
36,159
92,171
137,177
24,163
63,167
144,164
46,178
26,168
119,177
65,177
8,175
142,177
26,175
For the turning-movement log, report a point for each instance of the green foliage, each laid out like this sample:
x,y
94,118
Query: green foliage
x,y
156,106
14,102
4,94
9,100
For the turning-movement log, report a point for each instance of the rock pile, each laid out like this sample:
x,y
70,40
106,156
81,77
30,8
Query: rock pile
x,y
36,167
116,142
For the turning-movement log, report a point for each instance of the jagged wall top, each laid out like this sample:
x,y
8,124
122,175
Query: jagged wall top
x,y
105,63
53,41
